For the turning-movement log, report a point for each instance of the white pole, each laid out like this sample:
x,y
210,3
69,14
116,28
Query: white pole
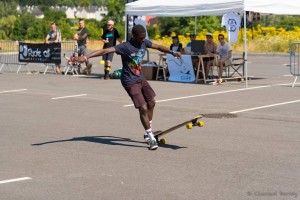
x,y
126,16
245,47
195,29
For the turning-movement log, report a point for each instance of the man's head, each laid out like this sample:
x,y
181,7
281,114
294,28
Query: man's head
x,y
110,25
53,26
192,36
221,38
139,33
209,37
175,39
81,23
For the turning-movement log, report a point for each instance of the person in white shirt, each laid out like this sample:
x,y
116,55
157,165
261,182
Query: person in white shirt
x,y
224,51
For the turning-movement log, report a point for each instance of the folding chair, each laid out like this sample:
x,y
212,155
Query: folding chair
x,y
162,66
236,65
72,67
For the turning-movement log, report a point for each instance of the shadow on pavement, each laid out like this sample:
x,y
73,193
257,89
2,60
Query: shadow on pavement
x,y
109,140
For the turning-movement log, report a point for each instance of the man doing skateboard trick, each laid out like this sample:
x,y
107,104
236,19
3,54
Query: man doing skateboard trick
x,y
132,79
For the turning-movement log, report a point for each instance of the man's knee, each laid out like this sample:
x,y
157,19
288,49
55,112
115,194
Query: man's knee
x,y
151,103
143,109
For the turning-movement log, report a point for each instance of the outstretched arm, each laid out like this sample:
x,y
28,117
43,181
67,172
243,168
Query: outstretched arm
x,y
97,53
165,50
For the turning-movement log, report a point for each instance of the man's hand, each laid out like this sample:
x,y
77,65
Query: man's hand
x,y
177,54
76,36
80,59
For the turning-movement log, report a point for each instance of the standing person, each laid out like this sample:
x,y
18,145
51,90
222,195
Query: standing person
x,y
132,79
54,36
224,51
210,50
81,36
109,37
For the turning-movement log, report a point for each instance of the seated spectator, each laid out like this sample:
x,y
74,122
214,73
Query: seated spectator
x,y
210,49
187,50
176,46
224,51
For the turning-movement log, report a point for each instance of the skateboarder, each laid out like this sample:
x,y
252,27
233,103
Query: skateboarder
x,y
132,79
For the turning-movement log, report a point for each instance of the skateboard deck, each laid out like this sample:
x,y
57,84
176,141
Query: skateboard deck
x,y
189,125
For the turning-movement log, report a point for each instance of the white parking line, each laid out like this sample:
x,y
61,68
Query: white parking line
x,y
7,91
214,93
64,97
267,106
15,180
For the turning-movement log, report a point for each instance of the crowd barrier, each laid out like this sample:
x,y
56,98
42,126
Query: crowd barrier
x,y
295,60
9,52
9,55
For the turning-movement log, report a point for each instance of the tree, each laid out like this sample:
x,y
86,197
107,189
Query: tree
x,y
116,10
8,8
37,31
22,23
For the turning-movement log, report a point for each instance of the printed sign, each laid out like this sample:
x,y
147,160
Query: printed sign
x,y
40,53
181,70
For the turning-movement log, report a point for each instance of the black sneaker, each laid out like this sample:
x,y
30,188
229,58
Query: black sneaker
x,y
153,145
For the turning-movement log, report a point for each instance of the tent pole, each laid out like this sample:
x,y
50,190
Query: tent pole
x,y
126,27
195,28
245,48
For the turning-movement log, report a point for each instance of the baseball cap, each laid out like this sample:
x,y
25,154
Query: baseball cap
x,y
111,22
192,34
209,34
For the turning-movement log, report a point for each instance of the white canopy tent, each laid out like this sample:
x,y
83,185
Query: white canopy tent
x,y
212,7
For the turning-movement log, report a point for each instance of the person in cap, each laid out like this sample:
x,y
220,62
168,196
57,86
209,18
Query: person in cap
x,y
141,93
187,50
210,50
109,38
176,45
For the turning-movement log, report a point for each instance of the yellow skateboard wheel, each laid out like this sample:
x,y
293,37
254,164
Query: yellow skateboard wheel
x,y
189,126
200,124
163,141
102,62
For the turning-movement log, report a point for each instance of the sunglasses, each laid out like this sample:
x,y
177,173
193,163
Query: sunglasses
x,y
221,38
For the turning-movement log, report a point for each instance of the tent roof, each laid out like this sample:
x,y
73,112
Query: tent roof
x,y
211,7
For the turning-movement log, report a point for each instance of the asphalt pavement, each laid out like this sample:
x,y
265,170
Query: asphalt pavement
x,y
79,137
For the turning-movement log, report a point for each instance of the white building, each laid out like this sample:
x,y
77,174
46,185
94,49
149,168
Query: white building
x,y
92,12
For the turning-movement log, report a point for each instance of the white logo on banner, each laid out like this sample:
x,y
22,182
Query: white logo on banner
x,y
181,70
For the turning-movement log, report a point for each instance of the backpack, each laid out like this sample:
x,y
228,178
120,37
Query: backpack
x,y
116,74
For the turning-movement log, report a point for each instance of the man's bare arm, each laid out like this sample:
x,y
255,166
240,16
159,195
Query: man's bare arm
x,y
96,53
165,50
82,37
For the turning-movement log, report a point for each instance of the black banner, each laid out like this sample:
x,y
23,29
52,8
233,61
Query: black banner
x,y
40,53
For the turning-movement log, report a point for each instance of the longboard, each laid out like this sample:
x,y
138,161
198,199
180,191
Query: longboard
x,y
189,125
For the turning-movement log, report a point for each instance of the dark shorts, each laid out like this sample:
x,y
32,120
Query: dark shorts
x,y
140,92
108,56
82,50
208,58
